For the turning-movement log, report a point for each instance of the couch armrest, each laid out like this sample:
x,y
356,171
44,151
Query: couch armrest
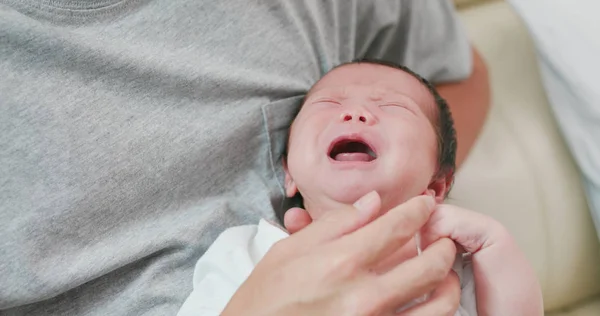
x,y
520,171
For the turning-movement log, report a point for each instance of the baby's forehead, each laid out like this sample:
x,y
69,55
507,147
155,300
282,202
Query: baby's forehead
x,y
369,80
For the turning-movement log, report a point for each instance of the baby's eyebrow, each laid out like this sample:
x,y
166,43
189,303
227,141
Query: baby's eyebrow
x,y
338,93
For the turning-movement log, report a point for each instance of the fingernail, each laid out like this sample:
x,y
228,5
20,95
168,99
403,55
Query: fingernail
x,y
366,202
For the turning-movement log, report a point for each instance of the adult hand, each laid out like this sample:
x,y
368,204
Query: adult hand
x,y
443,301
327,267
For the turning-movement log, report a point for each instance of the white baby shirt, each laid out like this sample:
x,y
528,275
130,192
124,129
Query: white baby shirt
x,y
234,254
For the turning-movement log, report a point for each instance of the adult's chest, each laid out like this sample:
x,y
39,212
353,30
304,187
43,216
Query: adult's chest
x,y
145,114
149,94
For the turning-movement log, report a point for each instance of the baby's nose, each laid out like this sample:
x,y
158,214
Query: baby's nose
x,y
358,117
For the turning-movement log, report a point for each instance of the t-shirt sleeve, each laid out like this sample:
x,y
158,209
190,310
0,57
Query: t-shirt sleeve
x,y
428,37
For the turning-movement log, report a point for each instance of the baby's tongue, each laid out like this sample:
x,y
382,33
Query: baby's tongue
x,y
352,157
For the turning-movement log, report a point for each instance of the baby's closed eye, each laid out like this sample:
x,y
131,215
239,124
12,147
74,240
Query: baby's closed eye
x,y
326,102
395,108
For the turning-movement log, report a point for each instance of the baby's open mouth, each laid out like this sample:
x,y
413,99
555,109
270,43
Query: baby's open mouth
x,y
351,150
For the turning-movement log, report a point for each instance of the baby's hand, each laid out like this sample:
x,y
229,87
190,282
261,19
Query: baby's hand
x,y
473,231
505,282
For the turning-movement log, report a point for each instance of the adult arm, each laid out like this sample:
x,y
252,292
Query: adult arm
x,y
469,101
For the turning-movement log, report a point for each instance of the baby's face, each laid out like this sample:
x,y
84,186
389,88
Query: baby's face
x,y
363,127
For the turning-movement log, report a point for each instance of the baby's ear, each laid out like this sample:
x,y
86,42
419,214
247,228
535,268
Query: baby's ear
x,y
440,186
290,186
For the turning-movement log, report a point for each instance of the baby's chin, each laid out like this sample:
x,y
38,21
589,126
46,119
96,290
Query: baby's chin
x,y
335,199
332,201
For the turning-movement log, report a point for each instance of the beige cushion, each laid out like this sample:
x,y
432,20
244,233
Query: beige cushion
x,y
465,3
588,308
520,171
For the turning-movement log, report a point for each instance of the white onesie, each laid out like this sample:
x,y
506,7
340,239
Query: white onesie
x,y
232,257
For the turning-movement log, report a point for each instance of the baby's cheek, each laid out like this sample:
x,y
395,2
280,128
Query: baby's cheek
x,y
422,162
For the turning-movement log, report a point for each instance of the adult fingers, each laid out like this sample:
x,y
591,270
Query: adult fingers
x,y
336,223
444,300
376,241
296,219
412,278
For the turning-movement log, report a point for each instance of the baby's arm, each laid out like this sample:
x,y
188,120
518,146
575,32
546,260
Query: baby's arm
x,y
505,283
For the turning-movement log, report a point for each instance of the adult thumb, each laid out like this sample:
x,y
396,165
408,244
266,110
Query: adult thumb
x,y
296,219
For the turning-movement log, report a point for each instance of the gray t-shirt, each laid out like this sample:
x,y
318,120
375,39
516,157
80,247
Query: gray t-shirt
x,y
133,132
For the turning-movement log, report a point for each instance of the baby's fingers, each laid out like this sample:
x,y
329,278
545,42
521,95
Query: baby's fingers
x,y
468,229
296,219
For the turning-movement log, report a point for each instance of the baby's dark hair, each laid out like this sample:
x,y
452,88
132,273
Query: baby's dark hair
x,y
446,134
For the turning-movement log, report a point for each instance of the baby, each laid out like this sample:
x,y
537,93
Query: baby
x,y
365,126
